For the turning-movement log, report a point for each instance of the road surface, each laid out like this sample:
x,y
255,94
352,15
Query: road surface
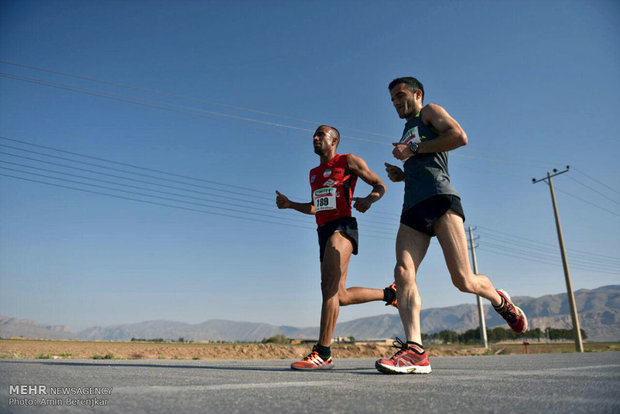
x,y
541,383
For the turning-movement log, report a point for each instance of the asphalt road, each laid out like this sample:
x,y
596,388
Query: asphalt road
x,y
542,383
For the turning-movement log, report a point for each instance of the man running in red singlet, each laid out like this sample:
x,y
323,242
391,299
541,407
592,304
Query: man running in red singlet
x,y
333,183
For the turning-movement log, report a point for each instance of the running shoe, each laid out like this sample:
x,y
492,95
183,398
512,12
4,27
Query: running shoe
x,y
410,359
313,362
394,303
513,314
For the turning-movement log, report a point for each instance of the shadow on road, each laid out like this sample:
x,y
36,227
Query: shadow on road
x,y
286,368
145,365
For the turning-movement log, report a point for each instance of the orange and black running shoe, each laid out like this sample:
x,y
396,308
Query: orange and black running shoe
x,y
313,362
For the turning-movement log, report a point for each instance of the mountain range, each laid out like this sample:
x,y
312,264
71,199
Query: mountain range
x,y
599,315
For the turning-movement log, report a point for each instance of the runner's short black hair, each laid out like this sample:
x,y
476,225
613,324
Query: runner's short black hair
x,y
411,82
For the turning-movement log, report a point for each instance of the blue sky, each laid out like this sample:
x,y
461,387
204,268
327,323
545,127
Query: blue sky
x,y
229,92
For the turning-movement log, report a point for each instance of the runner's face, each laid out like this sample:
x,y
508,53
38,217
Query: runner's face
x,y
322,140
406,102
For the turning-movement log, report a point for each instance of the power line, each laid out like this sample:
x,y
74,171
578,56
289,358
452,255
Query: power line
x,y
597,181
549,252
504,252
236,107
157,203
251,218
510,235
199,112
135,166
595,190
544,256
380,227
210,204
128,172
375,229
588,202
378,233
179,96
217,200
372,211
511,240
124,178
202,113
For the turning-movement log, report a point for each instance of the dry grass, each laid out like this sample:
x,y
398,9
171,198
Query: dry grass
x,y
60,349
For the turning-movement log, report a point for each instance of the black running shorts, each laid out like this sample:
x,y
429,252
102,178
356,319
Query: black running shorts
x,y
423,215
345,225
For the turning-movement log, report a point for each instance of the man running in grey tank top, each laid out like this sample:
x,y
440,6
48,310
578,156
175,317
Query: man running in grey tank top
x,y
432,207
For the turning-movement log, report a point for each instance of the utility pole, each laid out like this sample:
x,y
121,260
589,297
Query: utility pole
x,y
569,284
483,325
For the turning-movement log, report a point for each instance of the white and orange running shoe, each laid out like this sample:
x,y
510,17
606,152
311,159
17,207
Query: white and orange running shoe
x,y
410,359
313,362
513,314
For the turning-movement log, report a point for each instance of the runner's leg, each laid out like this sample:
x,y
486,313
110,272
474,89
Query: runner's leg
x,y
355,295
411,246
451,237
334,268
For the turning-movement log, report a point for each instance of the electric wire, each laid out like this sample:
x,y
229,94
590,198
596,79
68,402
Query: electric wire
x,y
125,164
374,211
585,201
551,257
199,112
217,200
593,189
483,229
492,157
375,231
224,105
250,218
129,172
208,204
179,96
208,114
380,228
548,248
202,113
503,252
596,180
157,203
124,178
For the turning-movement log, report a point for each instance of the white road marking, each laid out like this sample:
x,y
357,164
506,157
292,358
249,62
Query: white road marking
x,y
220,387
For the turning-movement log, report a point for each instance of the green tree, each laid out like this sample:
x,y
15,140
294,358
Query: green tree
x,y
276,339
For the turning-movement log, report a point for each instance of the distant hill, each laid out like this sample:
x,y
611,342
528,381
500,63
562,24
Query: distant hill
x,y
10,327
599,314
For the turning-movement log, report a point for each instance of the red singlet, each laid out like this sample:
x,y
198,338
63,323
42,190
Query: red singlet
x,y
332,185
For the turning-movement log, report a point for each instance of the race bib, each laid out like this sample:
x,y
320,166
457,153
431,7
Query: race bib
x,y
411,135
324,199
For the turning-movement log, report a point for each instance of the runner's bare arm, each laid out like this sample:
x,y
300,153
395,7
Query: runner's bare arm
x,y
450,133
359,167
282,202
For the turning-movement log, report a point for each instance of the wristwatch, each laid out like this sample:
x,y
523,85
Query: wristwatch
x,y
414,147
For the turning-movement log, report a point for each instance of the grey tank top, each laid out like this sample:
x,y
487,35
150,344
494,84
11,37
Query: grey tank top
x,y
426,174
